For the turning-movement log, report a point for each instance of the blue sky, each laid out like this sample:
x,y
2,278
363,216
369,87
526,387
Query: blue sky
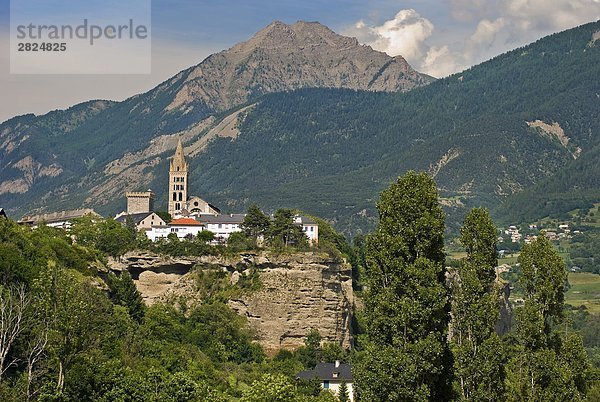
x,y
437,37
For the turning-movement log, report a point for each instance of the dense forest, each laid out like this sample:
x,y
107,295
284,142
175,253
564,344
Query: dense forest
x,y
73,331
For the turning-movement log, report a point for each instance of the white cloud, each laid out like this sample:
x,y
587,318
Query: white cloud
x,y
482,39
497,26
440,62
404,35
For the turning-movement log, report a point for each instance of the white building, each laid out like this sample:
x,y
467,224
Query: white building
x,y
309,227
331,375
156,233
222,225
61,219
142,221
186,227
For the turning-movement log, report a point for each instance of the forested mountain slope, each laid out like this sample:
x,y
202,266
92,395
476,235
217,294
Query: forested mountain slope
x,y
52,161
520,120
523,119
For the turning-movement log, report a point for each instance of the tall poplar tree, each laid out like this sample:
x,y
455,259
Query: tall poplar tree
x,y
475,310
549,362
405,354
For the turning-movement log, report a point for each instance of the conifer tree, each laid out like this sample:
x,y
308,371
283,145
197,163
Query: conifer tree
x,y
477,349
343,392
405,353
256,223
124,293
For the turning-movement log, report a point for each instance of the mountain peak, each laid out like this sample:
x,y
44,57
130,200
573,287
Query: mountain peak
x,y
283,57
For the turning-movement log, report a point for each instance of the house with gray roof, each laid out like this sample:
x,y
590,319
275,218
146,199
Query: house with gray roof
x,y
331,376
142,221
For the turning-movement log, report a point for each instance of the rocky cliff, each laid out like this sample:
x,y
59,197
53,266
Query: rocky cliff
x,y
298,292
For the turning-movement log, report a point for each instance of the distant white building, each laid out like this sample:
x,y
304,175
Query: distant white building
x,y
156,233
309,227
63,219
186,227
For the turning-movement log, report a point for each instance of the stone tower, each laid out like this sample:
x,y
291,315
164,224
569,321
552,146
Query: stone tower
x,y
178,177
140,202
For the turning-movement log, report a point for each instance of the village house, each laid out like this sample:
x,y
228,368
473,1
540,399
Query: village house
x,y
140,211
331,376
309,227
514,234
223,225
186,228
142,221
62,220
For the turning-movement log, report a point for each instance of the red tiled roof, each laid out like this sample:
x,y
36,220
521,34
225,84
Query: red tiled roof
x,y
186,222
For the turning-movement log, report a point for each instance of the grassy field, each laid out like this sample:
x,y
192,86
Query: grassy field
x,y
585,290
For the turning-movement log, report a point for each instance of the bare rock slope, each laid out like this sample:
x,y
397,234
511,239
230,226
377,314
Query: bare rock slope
x,y
281,57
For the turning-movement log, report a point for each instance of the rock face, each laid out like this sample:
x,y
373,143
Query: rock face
x,y
281,57
156,277
298,292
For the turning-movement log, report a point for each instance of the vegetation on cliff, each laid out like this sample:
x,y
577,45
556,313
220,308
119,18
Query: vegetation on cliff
x,y
76,332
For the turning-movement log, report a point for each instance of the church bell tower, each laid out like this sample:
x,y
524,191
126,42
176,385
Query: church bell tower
x,y
178,177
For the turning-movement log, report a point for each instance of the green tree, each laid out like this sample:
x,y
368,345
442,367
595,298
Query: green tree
x,y
478,354
205,237
256,224
406,355
123,292
239,241
270,388
310,354
284,232
113,238
343,392
76,313
549,363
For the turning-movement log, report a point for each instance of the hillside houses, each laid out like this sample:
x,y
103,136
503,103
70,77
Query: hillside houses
x,y
62,220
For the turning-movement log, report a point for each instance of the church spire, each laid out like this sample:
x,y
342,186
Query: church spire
x,y
178,163
178,171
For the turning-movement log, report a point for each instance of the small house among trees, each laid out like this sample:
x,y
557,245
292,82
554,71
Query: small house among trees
x,y
335,377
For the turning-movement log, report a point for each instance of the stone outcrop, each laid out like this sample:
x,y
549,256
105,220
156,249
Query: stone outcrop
x,y
298,292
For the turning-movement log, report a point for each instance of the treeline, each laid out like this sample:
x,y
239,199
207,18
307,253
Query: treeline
x,y
430,333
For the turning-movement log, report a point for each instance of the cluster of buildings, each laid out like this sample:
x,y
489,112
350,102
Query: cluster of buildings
x,y
190,214
513,232
563,232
